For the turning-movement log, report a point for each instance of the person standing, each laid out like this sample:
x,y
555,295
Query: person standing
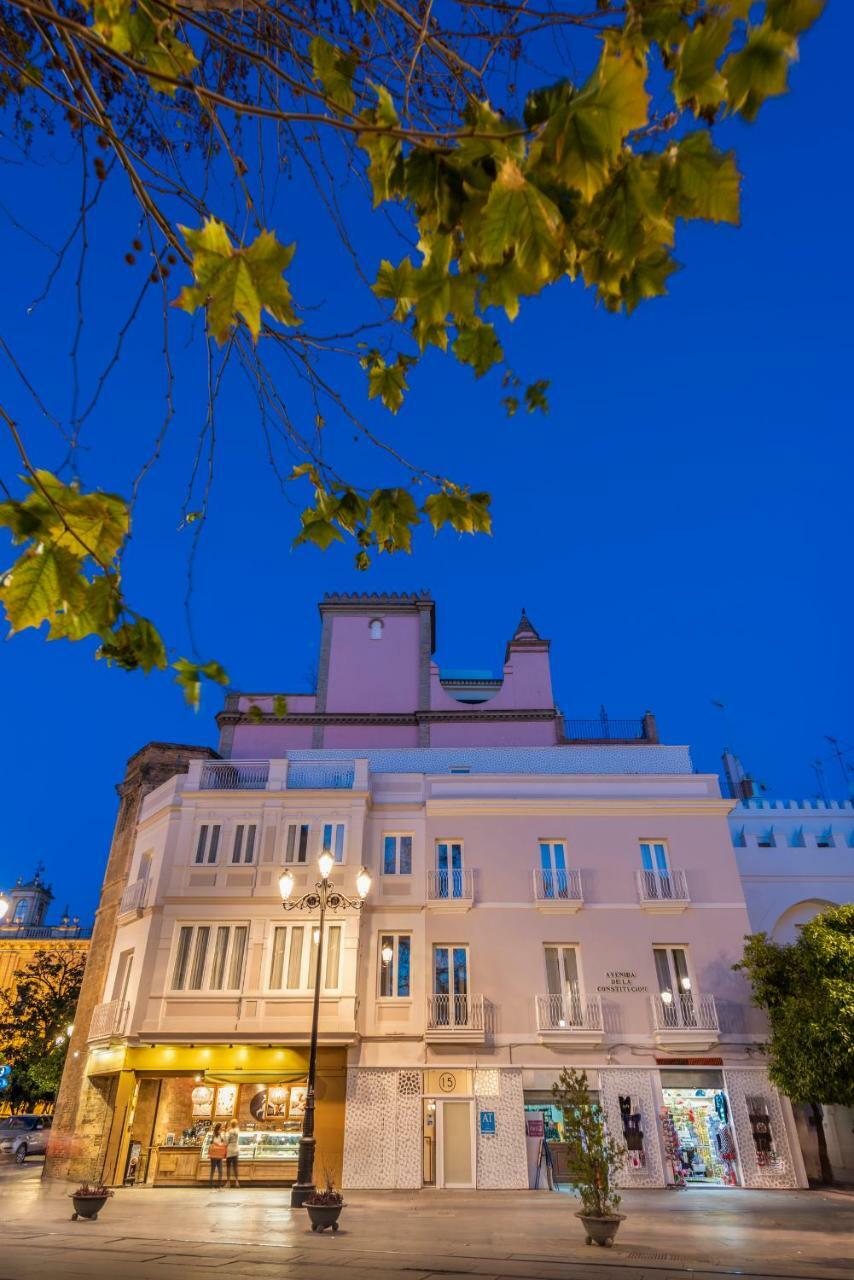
x,y
232,1151
217,1152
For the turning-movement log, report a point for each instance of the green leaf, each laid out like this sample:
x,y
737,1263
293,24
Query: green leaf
x,y
44,582
393,515
794,16
385,170
397,284
466,512
280,706
190,675
760,70
388,381
96,613
511,405
234,282
317,529
256,715
585,135
705,181
696,77
335,72
146,32
521,219
479,347
535,396
135,646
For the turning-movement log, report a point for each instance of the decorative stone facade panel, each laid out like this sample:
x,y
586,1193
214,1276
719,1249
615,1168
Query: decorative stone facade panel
x,y
382,1129
501,1157
638,1085
743,1084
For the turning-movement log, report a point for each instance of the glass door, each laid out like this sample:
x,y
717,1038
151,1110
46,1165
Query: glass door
x,y
656,869
674,984
565,1009
553,867
449,869
451,986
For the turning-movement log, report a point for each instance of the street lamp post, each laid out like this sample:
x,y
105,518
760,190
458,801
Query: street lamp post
x,y
325,896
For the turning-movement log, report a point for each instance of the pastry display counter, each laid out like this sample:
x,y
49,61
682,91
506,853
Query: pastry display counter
x,y
266,1155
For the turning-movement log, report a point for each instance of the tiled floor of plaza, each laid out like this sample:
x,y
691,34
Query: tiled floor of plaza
x,y
167,1233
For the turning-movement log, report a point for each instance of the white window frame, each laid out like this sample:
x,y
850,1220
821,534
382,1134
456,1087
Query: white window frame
x,y
213,926
397,836
306,961
244,826
297,823
335,823
205,841
560,947
670,947
652,841
395,935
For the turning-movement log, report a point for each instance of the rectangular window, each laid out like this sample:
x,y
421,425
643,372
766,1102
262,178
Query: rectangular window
x,y
397,855
295,960
333,958
450,882
654,856
277,963
210,957
394,962
333,839
674,986
296,845
207,845
292,969
244,844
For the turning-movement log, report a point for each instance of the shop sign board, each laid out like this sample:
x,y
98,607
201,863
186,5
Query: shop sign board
x,y
447,1081
535,1125
487,1123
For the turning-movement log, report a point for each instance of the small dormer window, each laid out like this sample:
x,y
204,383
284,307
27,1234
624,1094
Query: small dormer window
x,y
376,628
21,909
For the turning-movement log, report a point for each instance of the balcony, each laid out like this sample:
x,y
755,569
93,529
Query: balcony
x,y
684,1020
558,890
109,1020
455,1018
320,775
663,892
450,890
134,898
234,775
569,1018
605,729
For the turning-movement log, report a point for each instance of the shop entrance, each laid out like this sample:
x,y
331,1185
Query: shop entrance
x,y
698,1136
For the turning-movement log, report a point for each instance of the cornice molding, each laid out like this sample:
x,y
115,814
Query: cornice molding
x,y
413,718
606,806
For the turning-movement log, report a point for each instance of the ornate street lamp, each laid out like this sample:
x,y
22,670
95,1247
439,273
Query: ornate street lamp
x,y
325,896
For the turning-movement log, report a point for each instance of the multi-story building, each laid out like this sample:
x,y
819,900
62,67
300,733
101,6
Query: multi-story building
x,y
545,892
796,859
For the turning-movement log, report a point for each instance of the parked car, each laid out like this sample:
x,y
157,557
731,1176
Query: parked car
x,y
22,1136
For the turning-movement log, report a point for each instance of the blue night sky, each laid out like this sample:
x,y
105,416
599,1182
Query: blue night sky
x,y
678,526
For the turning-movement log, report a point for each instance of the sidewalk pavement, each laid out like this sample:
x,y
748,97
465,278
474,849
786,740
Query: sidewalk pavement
x,y
197,1234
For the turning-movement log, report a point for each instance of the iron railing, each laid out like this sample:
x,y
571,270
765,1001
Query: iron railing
x,y
320,774
457,883
568,1012
109,1019
234,775
557,886
455,1013
604,730
133,898
662,886
685,1011
44,931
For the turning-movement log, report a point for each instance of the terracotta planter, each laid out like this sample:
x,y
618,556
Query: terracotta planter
x,y
324,1215
601,1231
88,1206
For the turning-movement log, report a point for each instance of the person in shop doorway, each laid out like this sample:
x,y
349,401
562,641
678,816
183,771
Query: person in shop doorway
x,y
217,1153
232,1143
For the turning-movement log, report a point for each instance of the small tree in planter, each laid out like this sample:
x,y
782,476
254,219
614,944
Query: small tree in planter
x,y
593,1158
324,1207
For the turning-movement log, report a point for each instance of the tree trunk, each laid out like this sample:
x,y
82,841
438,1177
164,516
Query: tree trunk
x,y
823,1157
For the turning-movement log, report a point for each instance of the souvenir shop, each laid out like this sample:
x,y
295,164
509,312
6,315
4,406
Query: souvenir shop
x,y
699,1142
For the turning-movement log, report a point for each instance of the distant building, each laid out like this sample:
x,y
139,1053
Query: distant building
x,y
24,930
796,859
545,892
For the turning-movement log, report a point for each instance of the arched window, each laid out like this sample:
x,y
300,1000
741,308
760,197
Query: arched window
x,y
21,909
376,628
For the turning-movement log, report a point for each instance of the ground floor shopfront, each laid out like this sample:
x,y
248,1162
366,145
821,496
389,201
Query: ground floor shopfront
x,y
160,1103
467,1126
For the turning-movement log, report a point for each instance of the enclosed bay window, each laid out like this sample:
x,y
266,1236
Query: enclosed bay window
x,y
394,965
293,960
333,839
397,855
210,957
244,843
296,842
207,845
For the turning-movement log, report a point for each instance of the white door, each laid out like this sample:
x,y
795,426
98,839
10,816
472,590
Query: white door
x,y
455,1165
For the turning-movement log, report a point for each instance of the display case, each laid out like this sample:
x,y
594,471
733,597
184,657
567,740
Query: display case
x,y
245,1148
275,1145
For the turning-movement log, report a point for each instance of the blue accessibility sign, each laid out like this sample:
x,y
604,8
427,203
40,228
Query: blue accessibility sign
x,y
487,1122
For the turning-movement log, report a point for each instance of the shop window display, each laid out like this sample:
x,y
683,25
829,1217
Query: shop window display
x,y
698,1137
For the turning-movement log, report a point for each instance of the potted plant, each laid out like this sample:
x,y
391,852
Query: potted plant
x,y
89,1199
324,1207
593,1158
